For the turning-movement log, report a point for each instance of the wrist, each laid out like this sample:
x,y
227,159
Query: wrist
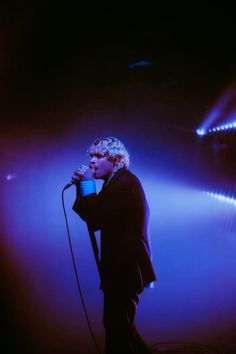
x,y
87,186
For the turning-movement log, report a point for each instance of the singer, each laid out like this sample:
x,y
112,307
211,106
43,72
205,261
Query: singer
x,y
121,212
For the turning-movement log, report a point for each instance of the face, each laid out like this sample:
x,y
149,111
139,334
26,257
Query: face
x,y
103,168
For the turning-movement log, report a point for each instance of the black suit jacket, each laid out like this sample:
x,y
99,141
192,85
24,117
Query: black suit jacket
x,y
121,212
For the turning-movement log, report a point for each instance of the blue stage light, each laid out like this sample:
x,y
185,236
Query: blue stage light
x,y
139,63
222,116
221,197
219,128
201,132
10,176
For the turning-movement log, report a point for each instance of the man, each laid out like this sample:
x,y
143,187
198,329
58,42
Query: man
x,y
121,212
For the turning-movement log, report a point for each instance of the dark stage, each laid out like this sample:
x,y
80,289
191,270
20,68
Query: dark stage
x,y
151,77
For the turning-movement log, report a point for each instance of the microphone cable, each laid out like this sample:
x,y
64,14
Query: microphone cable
x,y
76,275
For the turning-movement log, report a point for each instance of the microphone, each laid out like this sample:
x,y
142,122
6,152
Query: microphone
x,y
72,182
69,185
77,180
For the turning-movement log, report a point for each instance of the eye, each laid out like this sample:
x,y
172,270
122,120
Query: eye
x,y
97,155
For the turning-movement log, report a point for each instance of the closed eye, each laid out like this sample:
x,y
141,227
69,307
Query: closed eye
x,y
97,155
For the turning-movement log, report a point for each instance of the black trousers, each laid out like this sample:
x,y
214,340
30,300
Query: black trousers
x,y
118,319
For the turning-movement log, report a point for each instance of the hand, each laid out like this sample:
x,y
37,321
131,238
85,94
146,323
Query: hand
x,y
82,173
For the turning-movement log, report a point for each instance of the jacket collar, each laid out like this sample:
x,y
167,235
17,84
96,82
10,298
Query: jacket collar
x,y
116,175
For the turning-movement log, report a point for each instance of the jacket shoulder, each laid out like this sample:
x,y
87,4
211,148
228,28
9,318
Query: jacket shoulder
x,y
128,176
129,179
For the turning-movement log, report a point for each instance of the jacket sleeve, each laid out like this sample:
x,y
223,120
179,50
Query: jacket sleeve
x,y
106,209
88,209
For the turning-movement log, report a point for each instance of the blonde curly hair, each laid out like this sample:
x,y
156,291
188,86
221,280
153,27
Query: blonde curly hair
x,y
112,148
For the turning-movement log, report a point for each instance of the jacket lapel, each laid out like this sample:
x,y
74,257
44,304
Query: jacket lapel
x,y
116,176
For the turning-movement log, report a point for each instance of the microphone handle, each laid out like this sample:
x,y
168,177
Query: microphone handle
x,y
69,185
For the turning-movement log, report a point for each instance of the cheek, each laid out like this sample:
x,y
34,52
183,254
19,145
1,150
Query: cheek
x,y
109,166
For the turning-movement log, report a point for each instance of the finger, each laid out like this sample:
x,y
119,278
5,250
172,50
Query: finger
x,y
76,177
84,168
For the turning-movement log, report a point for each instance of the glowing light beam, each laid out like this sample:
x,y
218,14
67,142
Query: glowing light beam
x,y
221,197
